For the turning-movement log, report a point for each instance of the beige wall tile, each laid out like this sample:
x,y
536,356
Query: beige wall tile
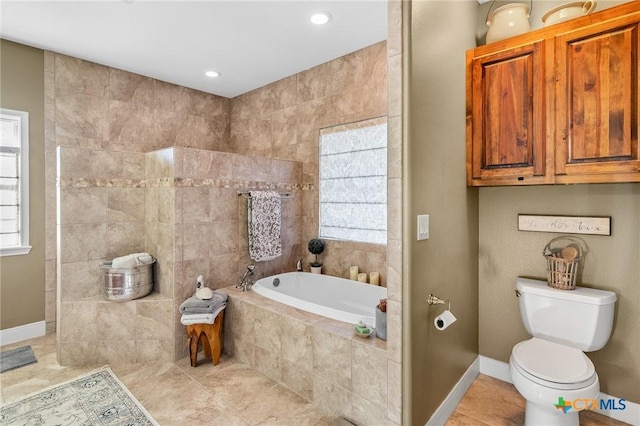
x,y
332,357
331,397
170,128
298,378
83,205
155,320
83,241
81,280
223,238
81,163
268,363
196,239
50,270
394,389
78,322
223,271
128,87
155,351
124,238
369,373
223,204
297,342
366,412
268,330
169,97
50,306
76,353
131,126
79,115
114,352
116,321
125,204
74,76
133,165
394,330
196,205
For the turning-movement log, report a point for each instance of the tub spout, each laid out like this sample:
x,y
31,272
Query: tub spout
x,y
299,265
245,281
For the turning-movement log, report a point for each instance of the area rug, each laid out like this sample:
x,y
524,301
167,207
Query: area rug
x,y
96,398
16,358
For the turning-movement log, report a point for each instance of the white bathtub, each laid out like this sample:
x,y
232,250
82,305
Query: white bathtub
x,y
332,297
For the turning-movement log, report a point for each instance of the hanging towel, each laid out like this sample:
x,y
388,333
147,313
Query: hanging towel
x,y
264,225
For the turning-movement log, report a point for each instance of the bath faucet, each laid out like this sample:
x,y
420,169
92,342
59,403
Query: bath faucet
x,y
245,281
299,265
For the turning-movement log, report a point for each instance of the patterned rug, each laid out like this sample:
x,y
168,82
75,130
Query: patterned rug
x,y
97,398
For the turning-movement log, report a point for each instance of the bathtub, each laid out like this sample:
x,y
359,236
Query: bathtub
x,y
332,297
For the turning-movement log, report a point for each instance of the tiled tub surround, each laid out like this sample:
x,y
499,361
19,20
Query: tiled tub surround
x,y
283,120
318,358
180,205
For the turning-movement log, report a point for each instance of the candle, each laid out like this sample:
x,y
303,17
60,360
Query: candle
x,y
353,272
362,277
374,278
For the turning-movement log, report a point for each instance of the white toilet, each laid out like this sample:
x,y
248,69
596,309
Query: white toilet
x,y
552,364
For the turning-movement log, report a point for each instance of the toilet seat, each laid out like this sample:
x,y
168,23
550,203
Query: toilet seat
x,y
553,365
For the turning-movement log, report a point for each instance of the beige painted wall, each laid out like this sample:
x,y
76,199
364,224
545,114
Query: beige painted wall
x,y
447,263
613,263
22,278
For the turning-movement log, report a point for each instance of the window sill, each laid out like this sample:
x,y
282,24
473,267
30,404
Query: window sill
x,y
14,251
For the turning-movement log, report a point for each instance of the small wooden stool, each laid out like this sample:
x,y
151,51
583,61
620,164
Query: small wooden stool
x,y
211,336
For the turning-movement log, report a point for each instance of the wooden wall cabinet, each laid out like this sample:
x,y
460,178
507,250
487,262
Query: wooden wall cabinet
x,y
557,105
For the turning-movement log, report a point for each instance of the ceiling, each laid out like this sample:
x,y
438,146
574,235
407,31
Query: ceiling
x,y
251,43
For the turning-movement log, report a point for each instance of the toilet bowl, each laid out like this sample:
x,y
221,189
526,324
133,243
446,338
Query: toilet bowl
x,y
551,370
546,373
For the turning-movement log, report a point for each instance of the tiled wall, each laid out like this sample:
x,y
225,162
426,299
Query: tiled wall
x,y
283,120
185,212
210,219
102,216
92,106
319,358
395,174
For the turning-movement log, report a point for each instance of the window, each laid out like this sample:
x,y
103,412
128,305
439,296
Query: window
x,y
14,182
353,182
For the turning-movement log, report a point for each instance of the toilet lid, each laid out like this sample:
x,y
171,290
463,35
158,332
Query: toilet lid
x,y
553,362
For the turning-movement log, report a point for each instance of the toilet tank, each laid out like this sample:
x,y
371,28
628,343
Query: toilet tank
x,y
580,318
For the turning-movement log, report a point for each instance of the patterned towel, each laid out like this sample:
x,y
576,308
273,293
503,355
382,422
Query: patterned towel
x,y
264,225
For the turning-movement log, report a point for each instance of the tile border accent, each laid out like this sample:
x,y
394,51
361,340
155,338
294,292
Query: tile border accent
x,y
180,183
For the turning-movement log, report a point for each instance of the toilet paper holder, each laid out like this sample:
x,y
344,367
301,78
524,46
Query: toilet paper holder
x,y
434,300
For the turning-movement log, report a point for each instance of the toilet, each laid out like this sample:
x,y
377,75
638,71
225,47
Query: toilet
x,y
552,364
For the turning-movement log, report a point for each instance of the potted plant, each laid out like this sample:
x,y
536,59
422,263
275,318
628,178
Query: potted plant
x,y
381,319
315,247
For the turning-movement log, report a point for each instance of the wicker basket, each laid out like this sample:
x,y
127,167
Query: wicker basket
x,y
562,273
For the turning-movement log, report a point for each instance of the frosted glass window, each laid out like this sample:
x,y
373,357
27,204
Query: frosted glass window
x,y
14,182
353,182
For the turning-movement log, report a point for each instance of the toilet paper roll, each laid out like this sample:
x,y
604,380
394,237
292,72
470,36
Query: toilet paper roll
x,y
444,320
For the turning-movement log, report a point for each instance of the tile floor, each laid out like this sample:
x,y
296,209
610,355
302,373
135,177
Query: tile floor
x,y
493,402
235,394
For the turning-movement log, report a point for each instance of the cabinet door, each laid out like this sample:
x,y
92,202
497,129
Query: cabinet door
x,y
505,117
597,103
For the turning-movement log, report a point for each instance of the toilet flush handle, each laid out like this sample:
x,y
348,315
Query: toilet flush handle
x,y
517,292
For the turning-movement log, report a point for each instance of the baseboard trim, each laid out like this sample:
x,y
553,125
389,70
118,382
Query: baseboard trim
x,y
448,406
22,332
500,370
494,368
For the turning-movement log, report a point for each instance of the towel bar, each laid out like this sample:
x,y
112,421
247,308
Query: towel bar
x,y
247,193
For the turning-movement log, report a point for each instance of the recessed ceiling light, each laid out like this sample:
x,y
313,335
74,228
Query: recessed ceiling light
x,y
212,74
320,18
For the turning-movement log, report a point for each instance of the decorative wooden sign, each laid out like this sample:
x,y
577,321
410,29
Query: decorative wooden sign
x,y
600,225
